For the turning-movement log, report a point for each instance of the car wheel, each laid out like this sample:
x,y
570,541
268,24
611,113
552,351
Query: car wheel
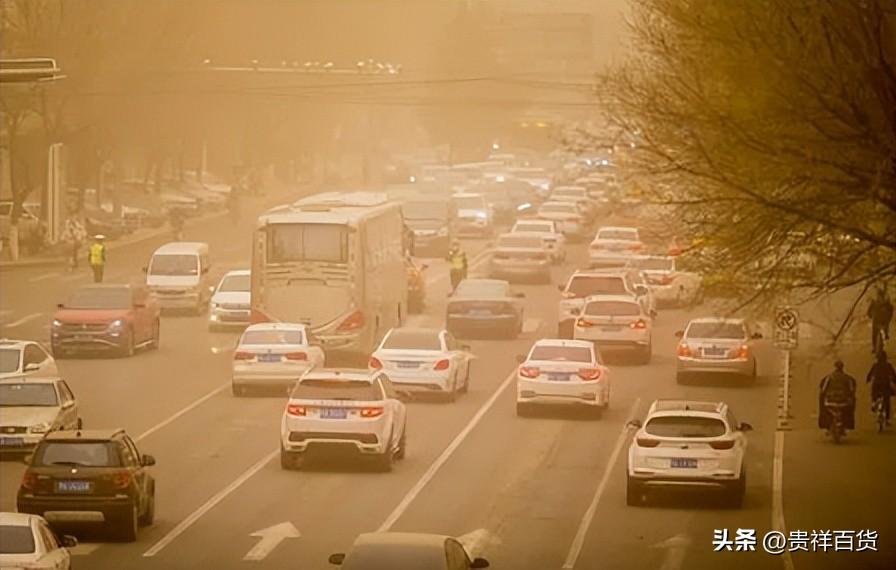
x,y
383,461
127,347
402,444
466,385
450,395
737,491
149,514
289,460
127,526
238,390
523,410
634,492
680,378
646,353
156,333
753,374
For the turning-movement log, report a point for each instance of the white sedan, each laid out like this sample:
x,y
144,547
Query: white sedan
x,y
430,361
616,321
25,358
670,286
556,242
562,372
273,354
28,542
615,246
229,305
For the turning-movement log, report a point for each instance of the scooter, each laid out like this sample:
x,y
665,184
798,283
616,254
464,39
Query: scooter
x,y
836,410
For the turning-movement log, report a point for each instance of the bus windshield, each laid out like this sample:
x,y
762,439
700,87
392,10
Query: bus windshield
x,y
307,242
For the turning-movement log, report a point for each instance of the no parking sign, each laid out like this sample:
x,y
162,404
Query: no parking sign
x,y
787,321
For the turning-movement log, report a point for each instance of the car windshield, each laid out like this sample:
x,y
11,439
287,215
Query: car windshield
x,y
624,235
174,265
685,426
27,394
336,389
81,453
532,228
559,209
273,337
521,242
585,285
656,264
16,539
468,203
235,284
613,308
481,289
9,359
413,340
425,210
716,330
561,353
100,298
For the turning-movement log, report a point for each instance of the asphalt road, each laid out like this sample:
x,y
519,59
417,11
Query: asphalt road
x,y
527,493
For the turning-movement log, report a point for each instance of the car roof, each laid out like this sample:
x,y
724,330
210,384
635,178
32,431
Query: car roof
x,y
12,343
278,326
84,434
719,320
401,538
417,330
672,407
608,272
558,203
347,374
514,235
533,221
17,519
563,342
569,187
237,272
617,228
185,247
614,298
466,195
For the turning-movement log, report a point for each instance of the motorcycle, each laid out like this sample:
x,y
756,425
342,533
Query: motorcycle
x,y
836,410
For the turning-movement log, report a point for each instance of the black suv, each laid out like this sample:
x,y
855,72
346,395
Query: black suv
x,y
89,476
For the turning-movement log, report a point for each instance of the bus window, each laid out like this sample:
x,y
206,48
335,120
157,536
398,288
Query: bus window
x,y
307,242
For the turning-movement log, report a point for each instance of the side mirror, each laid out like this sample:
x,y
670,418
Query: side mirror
x,y
424,267
60,306
69,541
653,313
32,366
641,289
145,269
679,334
756,336
520,358
79,424
337,559
519,295
744,426
479,563
148,460
466,347
139,305
26,459
561,287
635,424
68,404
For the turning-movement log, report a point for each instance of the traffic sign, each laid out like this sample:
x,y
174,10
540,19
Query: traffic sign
x,y
787,322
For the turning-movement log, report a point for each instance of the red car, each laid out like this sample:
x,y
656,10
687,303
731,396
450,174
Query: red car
x,y
119,318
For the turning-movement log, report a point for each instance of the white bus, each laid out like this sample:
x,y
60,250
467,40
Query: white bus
x,y
333,261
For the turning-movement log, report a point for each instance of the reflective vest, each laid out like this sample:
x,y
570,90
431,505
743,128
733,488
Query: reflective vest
x,y
97,254
458,261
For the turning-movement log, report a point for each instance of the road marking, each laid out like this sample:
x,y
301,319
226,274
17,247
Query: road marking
x,y
579,541
675,548
74,276
271,537
183,411
23,320
44,277
443,458
778,522
209,505
477,541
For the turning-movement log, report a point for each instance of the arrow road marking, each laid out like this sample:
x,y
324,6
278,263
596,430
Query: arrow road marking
x,y
675,550
23,320
271,537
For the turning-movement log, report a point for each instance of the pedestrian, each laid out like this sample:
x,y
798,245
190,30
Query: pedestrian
x,y
74,234
880,311
457,260
96,257
882,377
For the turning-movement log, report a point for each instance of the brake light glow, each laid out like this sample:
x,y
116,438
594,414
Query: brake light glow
x,y
352,322
241,355
636,246
590,373
569,295
584,323
647,442
375,363
371,412
722,444
639,324
121,479
743,351
296,356
29,480
529,371
296,410
666,279
442,364
684,350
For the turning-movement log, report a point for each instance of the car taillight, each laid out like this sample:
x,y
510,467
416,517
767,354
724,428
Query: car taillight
x,y
529,371
636,246
584,323
29,480
743,351
569,295
296,410
121,479
647,442
352,322
374,362
243,355
590,373
639,324
666,279
371,412
442,364
684,350
296,356
722,444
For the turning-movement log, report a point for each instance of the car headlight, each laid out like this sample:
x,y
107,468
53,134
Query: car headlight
x,y
213,306
41,427
57,323
481,215
443,231
116,324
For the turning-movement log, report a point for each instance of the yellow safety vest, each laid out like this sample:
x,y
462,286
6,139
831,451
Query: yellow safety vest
x,y
97,255
457,261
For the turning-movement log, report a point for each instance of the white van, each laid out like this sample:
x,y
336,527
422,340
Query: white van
x,y
178,274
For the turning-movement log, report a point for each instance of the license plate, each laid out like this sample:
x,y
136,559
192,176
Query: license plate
x,y
334,413
683,463
558,377
715,352
83,337
11,441
269,358
481,313
611,329
73,486
406,364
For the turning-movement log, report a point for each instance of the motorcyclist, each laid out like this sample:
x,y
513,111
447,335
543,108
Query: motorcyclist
x,y
880,311
458,263
882,377
838,387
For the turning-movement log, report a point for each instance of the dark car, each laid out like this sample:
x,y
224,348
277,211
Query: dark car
x,y
408,551
483,306
432,224
119,318
90,477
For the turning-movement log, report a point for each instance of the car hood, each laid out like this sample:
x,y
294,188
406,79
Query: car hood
x,y
467,213
28,415
433,225
172,280
90,315
231,297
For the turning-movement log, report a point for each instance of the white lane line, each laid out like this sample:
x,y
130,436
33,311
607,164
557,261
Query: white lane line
x,y
44,277
183,411
579,541
778,522
209,504
443,458
23,320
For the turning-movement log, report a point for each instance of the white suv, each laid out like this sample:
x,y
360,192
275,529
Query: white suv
x,y
343,409
688,443
562,372
616,321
